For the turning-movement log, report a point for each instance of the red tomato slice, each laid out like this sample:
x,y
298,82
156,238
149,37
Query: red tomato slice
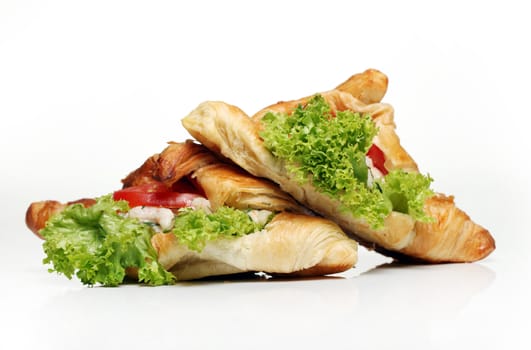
x,y
154,196
378,158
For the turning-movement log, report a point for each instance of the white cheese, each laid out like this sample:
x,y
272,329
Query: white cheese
x,y
160,216
201,203
260,216
374,173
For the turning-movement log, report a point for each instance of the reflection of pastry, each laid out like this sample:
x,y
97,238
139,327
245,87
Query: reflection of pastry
x,y
292,242
450,235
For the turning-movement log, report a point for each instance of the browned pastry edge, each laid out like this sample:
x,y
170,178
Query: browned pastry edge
x,y
38,213
174,162
369,86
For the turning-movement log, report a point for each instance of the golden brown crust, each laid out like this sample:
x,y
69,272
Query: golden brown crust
x,y
228,185
454,238
38,213
291,244
226,130
223,184
368,87
174,162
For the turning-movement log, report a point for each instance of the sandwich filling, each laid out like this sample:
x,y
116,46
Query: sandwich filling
x,y
98,243
334,151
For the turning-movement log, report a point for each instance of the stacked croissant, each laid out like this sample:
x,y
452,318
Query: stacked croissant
x,y
291,190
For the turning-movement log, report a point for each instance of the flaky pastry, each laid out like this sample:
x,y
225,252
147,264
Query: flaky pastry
x,y
451,237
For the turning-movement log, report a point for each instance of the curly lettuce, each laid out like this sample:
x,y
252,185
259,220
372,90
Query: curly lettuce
x,y
407,192
194,228
329,150
97,244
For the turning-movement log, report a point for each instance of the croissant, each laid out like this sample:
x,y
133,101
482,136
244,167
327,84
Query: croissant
x,y
450,237
290,245
293,243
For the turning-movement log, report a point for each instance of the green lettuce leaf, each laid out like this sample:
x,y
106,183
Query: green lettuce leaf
x,y
407,192
97,244
194,228
329,151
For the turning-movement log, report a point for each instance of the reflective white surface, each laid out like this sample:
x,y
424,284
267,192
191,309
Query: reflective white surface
x,y
374,305
89,90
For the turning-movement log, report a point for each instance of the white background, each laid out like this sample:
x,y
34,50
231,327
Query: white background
x,y
88,90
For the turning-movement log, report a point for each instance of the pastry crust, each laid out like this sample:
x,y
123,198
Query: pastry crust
x,y
368,87
453,231
227,185
454,237
39,212
174,162
293,243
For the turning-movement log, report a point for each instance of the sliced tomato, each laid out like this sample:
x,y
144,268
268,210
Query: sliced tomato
x,y
154,196
378,158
